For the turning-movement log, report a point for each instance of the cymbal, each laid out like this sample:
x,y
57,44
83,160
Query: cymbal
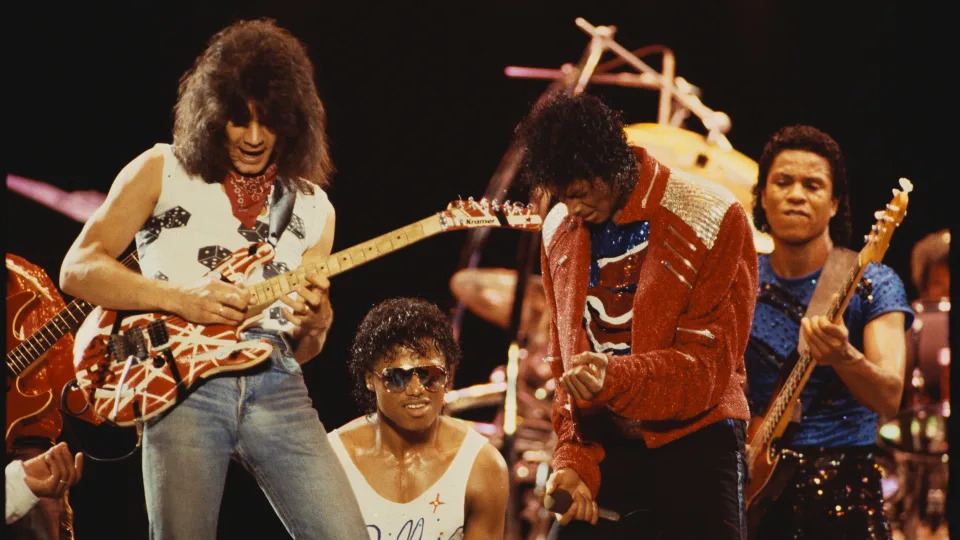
x,y
690,152
488,292
918,432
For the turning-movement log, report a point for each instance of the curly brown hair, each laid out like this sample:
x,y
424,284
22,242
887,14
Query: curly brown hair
x,y
811,139
399,323
571,138
253,61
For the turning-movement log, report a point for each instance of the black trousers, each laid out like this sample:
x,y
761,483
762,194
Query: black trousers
x,y
690,488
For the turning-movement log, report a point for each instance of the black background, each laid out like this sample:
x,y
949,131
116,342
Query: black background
x,y
420,112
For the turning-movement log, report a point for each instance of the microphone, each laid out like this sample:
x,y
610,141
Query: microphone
x,y
559,502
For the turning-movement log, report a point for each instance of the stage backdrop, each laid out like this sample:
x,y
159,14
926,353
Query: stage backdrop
x,y
420,112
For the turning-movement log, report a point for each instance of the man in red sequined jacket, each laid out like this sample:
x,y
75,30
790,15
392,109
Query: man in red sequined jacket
x,y
650,276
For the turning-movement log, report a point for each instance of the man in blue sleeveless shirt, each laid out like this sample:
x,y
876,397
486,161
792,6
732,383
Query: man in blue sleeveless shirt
x,y
801,199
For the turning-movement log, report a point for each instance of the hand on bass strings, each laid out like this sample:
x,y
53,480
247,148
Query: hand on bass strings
x,y
828,342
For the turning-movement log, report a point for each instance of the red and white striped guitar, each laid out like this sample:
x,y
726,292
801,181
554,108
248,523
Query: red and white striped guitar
x,y
132,366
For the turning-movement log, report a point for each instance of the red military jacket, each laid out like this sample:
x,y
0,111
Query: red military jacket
x,y
692,312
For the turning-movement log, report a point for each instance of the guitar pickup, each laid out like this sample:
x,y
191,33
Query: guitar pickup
x,y
130,343
117,347
137,342
157,331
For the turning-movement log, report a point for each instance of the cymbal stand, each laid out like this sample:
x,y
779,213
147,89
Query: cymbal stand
x,y
671,87
506,170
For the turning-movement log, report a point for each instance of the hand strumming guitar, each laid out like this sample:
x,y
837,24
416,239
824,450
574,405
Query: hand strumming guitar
x,y
211,301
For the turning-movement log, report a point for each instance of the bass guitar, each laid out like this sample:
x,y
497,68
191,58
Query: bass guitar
x,y
132,366
24,353
768,435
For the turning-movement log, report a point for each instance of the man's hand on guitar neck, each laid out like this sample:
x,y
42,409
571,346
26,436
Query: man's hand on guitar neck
x,y
211,301
828,342
311,314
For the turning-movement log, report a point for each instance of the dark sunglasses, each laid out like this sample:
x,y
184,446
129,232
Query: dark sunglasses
x,y
395,379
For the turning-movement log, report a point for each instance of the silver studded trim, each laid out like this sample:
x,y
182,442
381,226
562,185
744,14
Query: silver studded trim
x,y
681,257
700,203
552,221
704,332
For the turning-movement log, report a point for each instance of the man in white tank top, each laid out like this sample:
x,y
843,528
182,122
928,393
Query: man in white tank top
x,y
247,120
416,473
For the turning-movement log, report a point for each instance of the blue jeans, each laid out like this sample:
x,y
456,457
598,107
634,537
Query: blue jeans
x,y
263,418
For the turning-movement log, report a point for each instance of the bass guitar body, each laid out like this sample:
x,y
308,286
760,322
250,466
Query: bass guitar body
x,y
29,394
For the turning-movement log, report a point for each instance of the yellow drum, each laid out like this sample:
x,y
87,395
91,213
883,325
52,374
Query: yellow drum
x,y
690,152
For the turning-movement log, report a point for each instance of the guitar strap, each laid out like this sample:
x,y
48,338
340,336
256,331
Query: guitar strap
x,y
281,209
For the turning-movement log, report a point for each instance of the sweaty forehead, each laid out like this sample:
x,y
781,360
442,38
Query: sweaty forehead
x,y
801,163
405,357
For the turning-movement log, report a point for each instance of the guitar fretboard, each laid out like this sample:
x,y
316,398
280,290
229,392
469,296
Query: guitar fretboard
x,y
68,320
32,348
265,293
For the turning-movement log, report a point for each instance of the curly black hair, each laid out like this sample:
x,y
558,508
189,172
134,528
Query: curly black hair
x,y
573,138
811,139
260,62
409,323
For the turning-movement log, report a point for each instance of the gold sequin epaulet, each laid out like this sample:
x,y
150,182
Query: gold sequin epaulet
x,y
700,203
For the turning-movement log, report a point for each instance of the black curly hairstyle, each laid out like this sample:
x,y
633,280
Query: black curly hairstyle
x,y
409,323
811,139
260,62
572,138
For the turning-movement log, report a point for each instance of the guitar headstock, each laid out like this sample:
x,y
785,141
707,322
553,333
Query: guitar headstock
x,y
888,219
469,214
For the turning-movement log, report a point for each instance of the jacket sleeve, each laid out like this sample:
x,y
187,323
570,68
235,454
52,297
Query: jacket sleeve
x,y
570,450
690,377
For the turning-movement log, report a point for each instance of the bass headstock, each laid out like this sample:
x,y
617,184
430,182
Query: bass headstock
x,y
888,219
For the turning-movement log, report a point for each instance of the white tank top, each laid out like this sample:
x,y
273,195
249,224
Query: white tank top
x,y
437,514
192,229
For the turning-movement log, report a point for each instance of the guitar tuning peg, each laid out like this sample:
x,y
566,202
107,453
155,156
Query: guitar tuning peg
x,y
878,214
907,185
866,239
893,208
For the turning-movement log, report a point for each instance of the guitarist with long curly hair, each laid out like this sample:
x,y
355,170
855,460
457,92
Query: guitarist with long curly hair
x,y
802,200
248,122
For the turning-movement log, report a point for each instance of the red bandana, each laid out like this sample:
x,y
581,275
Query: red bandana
x,y
248,194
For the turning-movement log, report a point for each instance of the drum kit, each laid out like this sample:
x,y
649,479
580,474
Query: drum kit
x,y
914,444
